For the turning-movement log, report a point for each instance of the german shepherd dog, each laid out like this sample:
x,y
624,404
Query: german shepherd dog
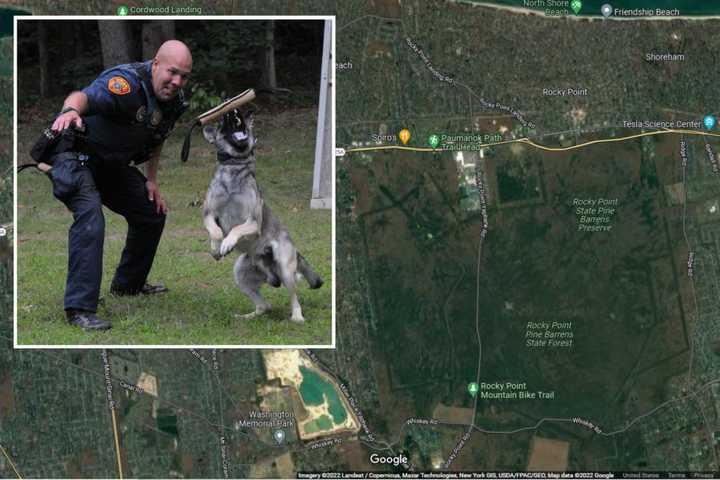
x,y
237,217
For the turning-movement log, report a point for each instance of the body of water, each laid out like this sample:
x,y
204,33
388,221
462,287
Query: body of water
x,y
592,7
314,389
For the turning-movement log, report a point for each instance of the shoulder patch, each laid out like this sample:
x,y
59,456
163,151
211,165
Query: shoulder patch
x,y
119,86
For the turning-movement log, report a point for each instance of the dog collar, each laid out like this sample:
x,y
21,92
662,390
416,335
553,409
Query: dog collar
x,y
226,159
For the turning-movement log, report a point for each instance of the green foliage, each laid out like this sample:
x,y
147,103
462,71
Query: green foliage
x,y
6,96
5,64
203,98
225,53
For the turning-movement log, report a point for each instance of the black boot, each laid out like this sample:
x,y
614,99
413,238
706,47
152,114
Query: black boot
x,y
86,320
146,289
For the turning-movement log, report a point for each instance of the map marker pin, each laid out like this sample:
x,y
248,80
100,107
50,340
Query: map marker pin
x,y
473,388
576,5
279,436
606,10
433,140
709,122
404,136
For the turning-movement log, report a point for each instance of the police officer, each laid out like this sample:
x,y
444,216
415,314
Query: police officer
x,y
128,111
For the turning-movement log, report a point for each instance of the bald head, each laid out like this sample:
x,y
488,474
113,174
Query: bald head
x,y
170,69
175,50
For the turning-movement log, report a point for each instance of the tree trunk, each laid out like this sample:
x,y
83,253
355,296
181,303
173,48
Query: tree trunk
x,y
154,34
268,61
79,39
43,60
115,41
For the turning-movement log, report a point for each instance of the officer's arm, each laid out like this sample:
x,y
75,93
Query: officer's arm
x,y
151,171
114,93
152,164
75,105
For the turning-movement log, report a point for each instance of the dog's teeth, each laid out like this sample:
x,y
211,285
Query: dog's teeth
x,y
239,136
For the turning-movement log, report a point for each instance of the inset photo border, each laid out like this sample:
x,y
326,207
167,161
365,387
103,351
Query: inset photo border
x,y
232,248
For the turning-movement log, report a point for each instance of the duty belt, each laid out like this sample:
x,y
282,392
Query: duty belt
x,y
60,157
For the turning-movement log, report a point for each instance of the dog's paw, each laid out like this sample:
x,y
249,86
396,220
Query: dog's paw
x,y
259,310
297,318
227,245
215,248
212,228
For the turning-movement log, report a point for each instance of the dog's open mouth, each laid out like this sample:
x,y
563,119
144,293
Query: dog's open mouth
x,y
236,129
234,136
239,138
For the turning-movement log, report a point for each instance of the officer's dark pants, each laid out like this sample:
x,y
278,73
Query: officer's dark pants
x,y
122,190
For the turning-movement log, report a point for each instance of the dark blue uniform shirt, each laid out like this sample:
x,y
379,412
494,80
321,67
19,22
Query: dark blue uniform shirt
x,y
125,121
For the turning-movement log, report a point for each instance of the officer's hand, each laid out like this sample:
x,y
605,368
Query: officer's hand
x,y
154,196
66,119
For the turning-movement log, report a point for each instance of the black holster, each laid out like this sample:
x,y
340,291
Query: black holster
x,y
64,173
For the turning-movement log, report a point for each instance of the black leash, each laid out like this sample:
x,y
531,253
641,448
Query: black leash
x,y
25,166
186,143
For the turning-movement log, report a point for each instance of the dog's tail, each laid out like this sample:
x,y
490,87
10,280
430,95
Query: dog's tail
x,y
307,271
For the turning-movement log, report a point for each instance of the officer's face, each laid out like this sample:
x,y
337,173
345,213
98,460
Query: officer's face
x,y
169,76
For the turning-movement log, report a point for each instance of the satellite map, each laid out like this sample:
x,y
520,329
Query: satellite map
x,y
528,268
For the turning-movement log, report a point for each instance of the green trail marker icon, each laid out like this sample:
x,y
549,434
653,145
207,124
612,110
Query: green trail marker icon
x,y
473,388
434,140
576,5
122,10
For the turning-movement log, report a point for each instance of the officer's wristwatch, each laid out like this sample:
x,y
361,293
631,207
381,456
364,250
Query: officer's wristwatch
x,y
69,109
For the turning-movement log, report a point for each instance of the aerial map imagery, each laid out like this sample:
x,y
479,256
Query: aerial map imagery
x,y
527,212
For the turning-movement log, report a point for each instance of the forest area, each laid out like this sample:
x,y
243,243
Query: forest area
x,y
56,57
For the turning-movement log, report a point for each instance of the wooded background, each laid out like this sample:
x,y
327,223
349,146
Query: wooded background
x,y
58,56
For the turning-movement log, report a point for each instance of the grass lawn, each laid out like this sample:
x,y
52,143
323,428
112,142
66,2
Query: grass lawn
x,y
203,299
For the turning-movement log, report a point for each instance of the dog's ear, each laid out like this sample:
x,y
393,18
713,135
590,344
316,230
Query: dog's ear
x,y
209,133
248,118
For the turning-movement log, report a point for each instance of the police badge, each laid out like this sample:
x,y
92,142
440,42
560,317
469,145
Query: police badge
x,y
119,86
140,115
156,117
